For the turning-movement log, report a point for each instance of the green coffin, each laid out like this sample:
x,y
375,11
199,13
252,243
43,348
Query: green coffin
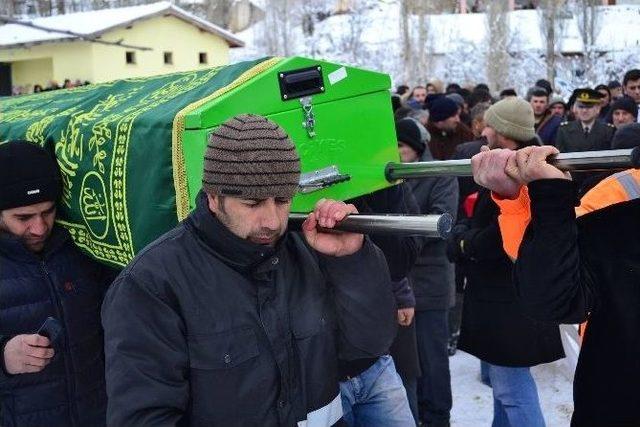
x,y
131,151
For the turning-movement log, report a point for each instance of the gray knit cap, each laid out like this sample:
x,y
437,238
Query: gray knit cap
x,y
512,117
251,157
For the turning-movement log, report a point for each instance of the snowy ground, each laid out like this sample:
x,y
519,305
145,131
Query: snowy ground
x,y
473,402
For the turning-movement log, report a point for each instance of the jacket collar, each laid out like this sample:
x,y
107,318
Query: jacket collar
x,y
238,253
12,247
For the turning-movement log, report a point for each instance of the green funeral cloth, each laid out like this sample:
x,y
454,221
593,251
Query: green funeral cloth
x,y
113,142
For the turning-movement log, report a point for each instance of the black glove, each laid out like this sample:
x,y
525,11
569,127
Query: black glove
x,y
455,251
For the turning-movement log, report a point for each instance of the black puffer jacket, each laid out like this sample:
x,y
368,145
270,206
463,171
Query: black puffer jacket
x,y
65,284
206,329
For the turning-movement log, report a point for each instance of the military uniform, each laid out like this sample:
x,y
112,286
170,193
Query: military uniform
x,y
572,136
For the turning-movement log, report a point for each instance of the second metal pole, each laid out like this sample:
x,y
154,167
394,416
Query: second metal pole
x,y
581,161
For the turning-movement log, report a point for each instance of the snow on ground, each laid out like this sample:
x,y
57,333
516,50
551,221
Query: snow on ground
x,y
473,401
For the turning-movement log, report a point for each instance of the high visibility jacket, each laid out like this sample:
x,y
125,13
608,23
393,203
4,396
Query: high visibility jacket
x,y
516,214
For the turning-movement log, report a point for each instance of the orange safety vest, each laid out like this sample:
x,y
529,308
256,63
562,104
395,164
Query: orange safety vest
x,y
515,215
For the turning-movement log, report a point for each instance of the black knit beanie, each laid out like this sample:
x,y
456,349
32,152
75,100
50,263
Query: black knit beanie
x,y
627,136
442,109
626,104
28,175
407,131
251,157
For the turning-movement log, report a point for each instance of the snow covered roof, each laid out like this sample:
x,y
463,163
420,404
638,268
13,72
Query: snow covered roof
x,y
97,22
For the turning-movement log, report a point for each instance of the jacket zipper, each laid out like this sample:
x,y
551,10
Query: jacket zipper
x,y
67,362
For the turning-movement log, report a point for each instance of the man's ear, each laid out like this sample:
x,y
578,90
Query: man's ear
x,y
216,203
213,202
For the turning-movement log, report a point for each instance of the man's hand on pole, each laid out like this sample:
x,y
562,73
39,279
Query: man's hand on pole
x,y
490,171
327,214
505,171
532,164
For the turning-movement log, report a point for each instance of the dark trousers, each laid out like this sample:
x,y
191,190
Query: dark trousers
x,y
455,315
411,385
434,386
405,355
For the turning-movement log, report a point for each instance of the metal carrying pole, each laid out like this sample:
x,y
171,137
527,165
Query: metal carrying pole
x,y
571,162
437,226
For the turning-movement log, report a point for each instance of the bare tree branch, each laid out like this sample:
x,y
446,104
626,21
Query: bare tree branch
x,y
414,33
498,41
552,26
586,12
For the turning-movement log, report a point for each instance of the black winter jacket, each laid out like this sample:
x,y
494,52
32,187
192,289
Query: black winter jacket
x,y
571,270
466,187
494,326
206,329
65,284
432,276
401,254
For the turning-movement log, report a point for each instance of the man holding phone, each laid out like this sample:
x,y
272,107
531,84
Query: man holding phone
x,y
52,364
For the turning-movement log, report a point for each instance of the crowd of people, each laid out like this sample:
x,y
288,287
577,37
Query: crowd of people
x,y
489,318
233,319
52,85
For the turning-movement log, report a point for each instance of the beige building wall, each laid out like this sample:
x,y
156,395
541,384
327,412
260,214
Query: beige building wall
x,y
164,34
99,63
54,61
31,72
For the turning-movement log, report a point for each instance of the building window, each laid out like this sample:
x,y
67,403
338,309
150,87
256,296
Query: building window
x,y
168,58
130,57
202,58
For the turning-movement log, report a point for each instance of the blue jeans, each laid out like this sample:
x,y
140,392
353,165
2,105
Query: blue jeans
x,y
515,397
376,398
484,373
434,387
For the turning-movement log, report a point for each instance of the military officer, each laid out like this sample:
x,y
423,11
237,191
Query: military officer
x,y
587,132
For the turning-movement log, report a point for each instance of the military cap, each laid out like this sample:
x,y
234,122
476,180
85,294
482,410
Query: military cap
x,y
587,96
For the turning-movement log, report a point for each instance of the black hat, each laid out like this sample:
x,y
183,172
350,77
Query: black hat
x,y
627,104
613,84
627,136
431,98
28,175
407,131
457,98
546,85
442,109
587,96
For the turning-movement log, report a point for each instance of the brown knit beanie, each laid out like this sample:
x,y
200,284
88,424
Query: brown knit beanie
x,y
251,157
512,117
